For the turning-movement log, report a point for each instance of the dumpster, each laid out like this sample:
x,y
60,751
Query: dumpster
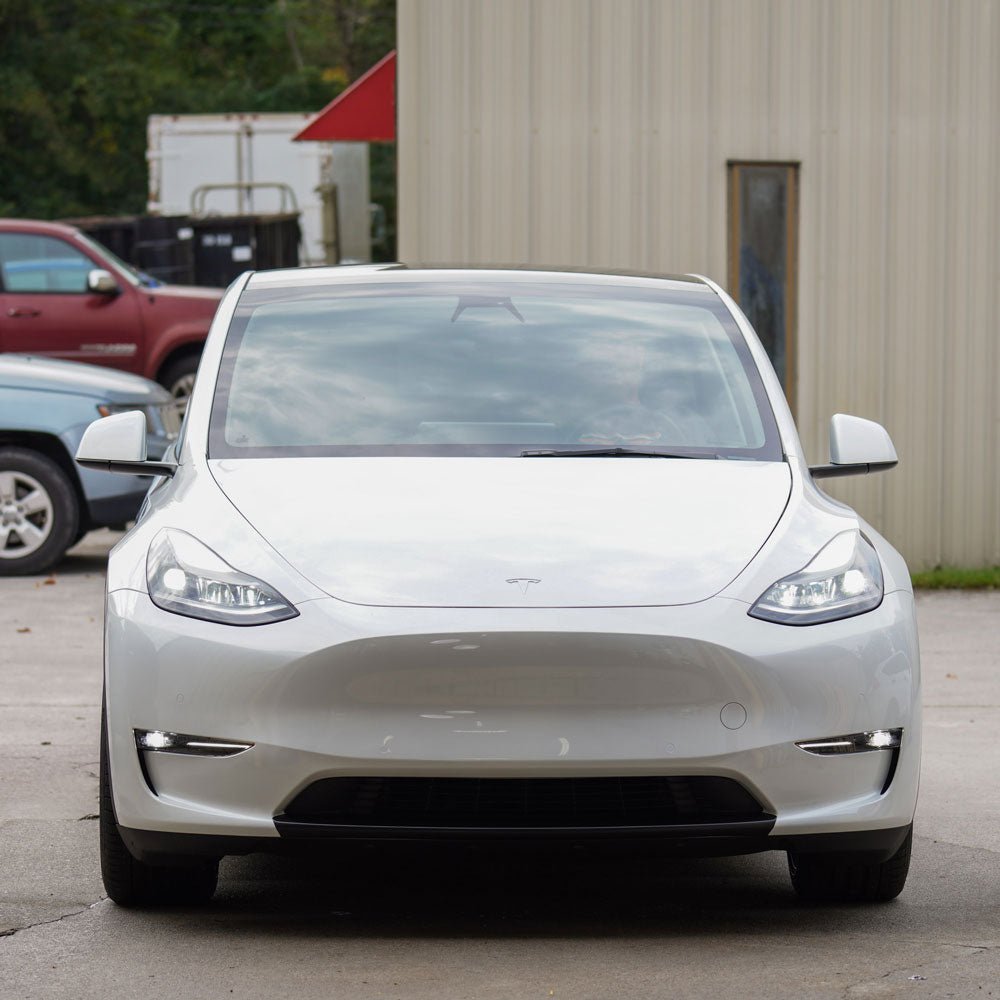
x,y
227,245
164,248
212,250
159,245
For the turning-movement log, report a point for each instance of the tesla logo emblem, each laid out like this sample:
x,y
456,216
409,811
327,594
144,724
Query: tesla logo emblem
x,y
524,582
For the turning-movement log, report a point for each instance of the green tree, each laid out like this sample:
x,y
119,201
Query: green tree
x,y
78,79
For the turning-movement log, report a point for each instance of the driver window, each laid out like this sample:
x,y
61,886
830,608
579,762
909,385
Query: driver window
x,y
30,263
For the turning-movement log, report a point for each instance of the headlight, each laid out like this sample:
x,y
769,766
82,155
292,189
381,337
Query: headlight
x,y
843,579
188,578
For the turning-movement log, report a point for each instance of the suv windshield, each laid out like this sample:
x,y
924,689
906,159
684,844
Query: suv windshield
x,y
487,367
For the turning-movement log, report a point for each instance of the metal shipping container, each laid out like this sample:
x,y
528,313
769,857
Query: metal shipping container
x,y
186,152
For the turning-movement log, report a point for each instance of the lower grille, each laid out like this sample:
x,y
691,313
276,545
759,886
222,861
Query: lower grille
x,y
524,803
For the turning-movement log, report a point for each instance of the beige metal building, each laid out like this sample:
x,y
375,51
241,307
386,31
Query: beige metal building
x,y
834,163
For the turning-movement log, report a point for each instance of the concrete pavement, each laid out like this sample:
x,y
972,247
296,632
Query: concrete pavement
x,y
482,923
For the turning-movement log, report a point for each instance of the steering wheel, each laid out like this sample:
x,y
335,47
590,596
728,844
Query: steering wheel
x,y
628,425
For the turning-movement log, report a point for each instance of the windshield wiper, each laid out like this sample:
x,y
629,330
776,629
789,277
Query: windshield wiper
x,y
614,453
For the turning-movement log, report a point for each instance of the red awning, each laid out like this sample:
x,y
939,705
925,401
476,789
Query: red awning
x,y
365,112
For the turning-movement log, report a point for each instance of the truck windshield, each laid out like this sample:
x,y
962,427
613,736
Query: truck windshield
x,y
131,274
487,368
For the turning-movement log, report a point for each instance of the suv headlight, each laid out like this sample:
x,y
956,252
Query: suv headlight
x,y
188,578
842,580
162,419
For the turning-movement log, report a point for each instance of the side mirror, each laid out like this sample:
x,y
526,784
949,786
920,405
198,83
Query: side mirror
x,y
101,282
857,447
118,444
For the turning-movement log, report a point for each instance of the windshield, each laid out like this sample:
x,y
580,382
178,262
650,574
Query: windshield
x,y
487,368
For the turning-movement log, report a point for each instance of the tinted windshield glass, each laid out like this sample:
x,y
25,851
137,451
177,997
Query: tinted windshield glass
x,y
101,250
486,368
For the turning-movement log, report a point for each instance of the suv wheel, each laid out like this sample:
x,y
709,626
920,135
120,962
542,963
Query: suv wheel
x,y
130,882
39,512
841,878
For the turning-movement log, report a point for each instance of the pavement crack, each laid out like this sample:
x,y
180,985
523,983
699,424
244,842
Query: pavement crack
x,y
962,708
850,988
969,951
11,931
954,843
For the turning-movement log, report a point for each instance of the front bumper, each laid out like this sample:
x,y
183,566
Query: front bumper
x,y
347,690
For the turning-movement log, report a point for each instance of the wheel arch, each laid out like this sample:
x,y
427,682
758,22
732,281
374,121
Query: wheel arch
x,y
186,349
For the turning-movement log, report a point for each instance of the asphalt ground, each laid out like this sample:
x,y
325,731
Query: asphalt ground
x,y
484,923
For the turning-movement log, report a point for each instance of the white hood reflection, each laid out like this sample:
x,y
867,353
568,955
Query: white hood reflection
x,y
471,532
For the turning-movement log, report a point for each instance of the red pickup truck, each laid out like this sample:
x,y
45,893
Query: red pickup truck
x,y
64,296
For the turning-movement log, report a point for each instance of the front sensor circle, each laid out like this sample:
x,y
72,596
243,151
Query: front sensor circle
x,y
733,715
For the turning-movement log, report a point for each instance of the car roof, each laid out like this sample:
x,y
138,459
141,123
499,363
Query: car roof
x,y
404,271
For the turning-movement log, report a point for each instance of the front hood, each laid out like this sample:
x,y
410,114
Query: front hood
x,y
499,532
24,371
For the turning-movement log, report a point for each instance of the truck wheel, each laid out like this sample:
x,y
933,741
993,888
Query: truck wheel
x,y
133,883
178,376
39,512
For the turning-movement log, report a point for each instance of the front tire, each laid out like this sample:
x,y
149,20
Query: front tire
x,y
840,878
130,882
39,512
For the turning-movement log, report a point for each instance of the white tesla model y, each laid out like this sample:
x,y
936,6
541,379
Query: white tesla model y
x,y
500,554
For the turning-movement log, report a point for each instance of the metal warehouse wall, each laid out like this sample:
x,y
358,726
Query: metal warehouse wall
x,y
596,132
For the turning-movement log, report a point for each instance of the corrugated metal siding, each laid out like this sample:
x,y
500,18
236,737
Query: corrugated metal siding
x,y
597,132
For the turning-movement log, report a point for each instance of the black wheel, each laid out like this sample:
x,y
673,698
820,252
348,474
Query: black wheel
x,y
178,376
841,878
39,512
133,883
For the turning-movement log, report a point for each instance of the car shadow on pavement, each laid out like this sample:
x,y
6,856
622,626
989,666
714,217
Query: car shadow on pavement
x,y
388,891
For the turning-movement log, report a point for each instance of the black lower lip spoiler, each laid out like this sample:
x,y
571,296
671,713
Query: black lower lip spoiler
x,y
716,840
304,830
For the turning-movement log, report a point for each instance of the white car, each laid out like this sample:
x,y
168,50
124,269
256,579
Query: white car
x,y
500,554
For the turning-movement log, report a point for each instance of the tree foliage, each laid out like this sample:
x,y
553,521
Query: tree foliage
x,y
78,79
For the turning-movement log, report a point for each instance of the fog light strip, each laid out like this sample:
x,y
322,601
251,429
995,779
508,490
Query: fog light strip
x,y
877,739
163,742
191,744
